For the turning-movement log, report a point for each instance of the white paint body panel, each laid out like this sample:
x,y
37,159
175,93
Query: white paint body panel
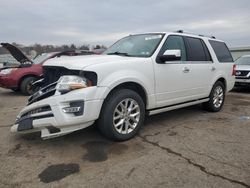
x,y
164,84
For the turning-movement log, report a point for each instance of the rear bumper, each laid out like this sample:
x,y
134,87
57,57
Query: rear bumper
x,y
54,121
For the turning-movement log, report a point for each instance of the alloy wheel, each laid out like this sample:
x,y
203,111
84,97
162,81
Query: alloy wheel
x,y
218,97
126,116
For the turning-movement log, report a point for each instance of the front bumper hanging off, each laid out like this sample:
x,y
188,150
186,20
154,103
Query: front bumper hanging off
x,y
61,114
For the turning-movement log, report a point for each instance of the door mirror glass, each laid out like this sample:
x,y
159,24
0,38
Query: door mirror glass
x,y
171,55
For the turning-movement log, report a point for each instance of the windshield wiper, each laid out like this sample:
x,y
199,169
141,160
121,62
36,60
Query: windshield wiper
x,y
118,53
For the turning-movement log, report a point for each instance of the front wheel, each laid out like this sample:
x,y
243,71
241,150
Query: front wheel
x,y
122,115
216,98
26,86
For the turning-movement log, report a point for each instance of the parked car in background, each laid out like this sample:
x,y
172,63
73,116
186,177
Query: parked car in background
x,y
99,51
243,71
140,74
21,77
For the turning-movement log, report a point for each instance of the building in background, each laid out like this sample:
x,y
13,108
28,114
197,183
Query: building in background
x,y
240,51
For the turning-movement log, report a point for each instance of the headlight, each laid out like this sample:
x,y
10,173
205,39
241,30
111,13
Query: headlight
x,y
69,83
7,71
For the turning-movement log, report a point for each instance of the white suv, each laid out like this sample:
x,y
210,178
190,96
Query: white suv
x,y
139,75
243,71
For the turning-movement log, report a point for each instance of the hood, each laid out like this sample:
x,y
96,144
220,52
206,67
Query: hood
x,y
243,67
81,62
16,53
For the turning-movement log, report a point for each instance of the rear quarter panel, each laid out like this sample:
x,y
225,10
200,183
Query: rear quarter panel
x,y
223,69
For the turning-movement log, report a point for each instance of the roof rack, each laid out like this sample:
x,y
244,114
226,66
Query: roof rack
x,y
201,35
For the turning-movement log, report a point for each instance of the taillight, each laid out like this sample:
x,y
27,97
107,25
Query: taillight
x,y
234,70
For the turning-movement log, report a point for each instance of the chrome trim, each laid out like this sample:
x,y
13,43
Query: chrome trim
x,y
157,111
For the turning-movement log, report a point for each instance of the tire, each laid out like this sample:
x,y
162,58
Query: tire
x,y
25,86
216,98
15,89
122,115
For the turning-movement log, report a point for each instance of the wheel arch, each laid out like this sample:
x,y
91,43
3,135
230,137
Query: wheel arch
x,y
223,80
134,86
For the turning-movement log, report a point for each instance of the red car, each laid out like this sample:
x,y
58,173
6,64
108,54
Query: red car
x,y
20,78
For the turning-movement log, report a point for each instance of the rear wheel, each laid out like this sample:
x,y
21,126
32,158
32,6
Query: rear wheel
x,y
122,115
26,86
216,98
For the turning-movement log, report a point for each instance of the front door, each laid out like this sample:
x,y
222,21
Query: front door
x,y
180,81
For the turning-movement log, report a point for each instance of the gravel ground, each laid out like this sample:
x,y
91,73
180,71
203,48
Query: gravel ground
x,y
182,148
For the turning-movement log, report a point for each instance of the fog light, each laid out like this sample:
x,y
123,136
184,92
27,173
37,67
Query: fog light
x,y
75,107
71,109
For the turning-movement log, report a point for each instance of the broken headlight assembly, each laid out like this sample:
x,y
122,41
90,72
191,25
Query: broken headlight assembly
x,y
70,82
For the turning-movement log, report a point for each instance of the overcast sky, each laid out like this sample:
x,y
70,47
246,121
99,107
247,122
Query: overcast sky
x,y
105,21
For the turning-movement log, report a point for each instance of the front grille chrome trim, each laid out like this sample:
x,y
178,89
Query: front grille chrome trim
x,y
43,93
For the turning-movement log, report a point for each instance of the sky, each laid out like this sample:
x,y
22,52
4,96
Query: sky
x,y
103,22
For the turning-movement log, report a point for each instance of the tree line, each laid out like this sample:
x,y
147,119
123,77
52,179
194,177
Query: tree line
x,y
39,48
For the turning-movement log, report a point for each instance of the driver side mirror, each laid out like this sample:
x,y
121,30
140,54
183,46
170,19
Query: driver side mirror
x,y
170,55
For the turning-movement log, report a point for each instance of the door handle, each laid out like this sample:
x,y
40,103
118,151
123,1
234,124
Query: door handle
x,y
186,70
213,69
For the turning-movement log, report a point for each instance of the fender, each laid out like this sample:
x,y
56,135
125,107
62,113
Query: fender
x,y
137,70
121,76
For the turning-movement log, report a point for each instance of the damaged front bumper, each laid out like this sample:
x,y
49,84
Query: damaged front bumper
x,y
60,114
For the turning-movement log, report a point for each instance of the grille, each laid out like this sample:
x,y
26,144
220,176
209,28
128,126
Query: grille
x,y
241,73
51,75
34,114
37,110
43,93
243,78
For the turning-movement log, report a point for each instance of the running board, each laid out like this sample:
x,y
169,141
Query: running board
x,y
168,108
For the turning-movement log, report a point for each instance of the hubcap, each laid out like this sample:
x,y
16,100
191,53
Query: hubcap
x,y
29,87
126,116
218,97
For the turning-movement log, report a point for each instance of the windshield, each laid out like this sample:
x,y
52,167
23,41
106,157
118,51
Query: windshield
x,y
136,45
243,61
40,58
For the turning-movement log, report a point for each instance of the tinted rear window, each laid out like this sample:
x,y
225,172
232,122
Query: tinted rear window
x,y
197,50
221,51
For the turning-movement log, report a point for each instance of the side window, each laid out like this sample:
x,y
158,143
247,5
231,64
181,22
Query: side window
x,y
207,53
197,50
221,51
174,42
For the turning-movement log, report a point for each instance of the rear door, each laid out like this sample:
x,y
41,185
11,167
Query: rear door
x,y
202,68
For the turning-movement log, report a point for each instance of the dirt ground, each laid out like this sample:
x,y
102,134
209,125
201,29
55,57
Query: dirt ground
x,y
182,148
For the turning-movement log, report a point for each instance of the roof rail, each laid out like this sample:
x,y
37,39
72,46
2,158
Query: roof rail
x,y
201,35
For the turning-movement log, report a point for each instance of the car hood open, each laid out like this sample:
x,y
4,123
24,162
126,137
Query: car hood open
x,y
16,53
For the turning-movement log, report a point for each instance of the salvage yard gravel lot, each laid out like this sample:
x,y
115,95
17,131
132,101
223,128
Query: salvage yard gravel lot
x,y
182,148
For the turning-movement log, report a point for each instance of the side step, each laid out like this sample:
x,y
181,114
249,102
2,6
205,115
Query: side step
x,y
173,107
